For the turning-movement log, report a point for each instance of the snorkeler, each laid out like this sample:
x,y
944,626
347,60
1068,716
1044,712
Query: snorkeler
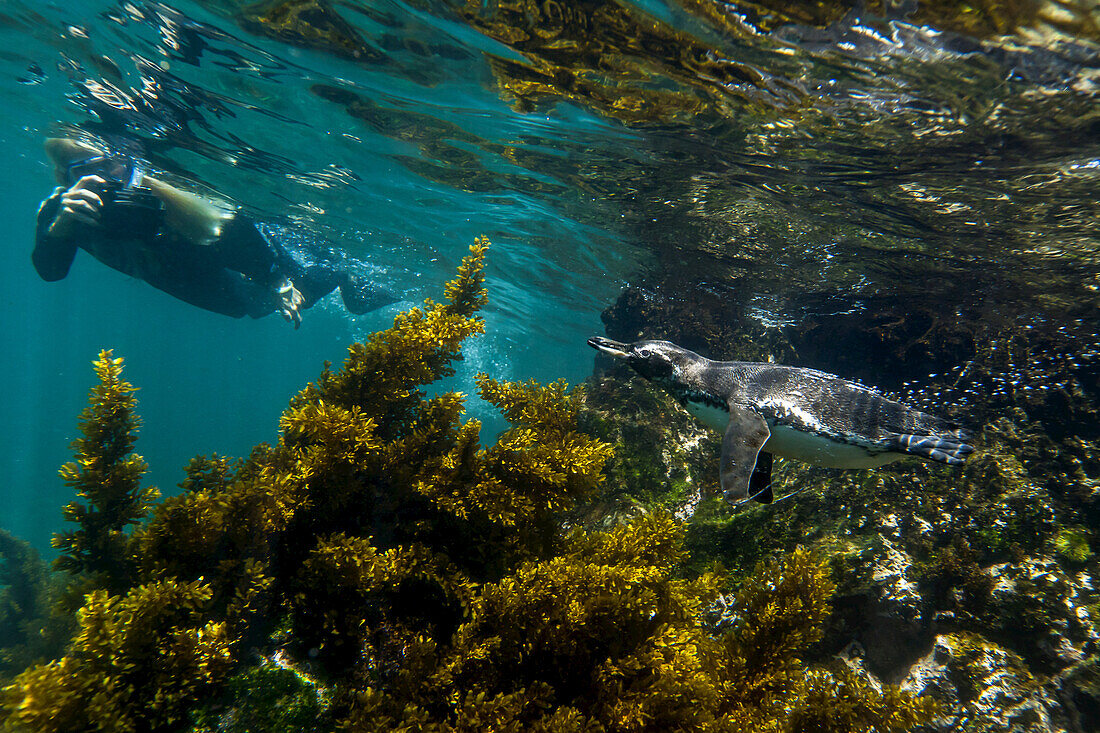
x,y
202,251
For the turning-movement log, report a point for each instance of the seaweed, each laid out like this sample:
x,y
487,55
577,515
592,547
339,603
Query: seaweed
x,y
1072,544
107,474
270,697
379,569
137,662
31,631
607,637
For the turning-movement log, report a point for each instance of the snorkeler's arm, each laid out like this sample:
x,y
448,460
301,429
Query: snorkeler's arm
x,y
195,218
54,249
207,222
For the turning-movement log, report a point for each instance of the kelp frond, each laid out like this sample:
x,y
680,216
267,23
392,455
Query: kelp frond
x,y
382,375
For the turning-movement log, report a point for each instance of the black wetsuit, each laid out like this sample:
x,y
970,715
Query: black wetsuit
x,y
235,275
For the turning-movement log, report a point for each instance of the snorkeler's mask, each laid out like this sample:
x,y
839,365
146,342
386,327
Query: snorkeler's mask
x,y
129,209
112,167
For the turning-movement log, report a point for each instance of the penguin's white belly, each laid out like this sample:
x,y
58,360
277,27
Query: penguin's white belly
x,y
823,451
713,417
809,447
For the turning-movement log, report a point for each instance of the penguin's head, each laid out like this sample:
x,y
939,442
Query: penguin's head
x,y
658,361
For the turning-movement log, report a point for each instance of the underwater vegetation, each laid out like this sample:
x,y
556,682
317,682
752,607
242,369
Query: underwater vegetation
x,y
628,65
618,61
380,569
107,474
975,586
32,628
981,19
309,24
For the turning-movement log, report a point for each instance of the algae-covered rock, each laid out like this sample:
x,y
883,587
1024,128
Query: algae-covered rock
x,y
1079,689
983,688
662,456
921,552
1044,608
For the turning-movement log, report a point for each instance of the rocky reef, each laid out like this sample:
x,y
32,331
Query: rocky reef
x,y
380,569
974,586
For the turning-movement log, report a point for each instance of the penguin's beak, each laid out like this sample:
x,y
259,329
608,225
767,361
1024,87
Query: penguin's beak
x,y
609,347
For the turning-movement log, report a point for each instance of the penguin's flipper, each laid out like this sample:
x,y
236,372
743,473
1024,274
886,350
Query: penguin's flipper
x,y
760,483
745,435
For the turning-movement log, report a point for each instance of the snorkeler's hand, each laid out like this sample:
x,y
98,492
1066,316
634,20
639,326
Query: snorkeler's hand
x,y
80,204
289,302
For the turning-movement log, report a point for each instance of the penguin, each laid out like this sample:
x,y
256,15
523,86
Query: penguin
x,y
803,414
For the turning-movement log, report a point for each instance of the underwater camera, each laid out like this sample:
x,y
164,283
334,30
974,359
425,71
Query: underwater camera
x,y
129,209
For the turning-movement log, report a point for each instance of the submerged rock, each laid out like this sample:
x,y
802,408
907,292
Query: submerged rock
x,y
976,586
663,457
983,687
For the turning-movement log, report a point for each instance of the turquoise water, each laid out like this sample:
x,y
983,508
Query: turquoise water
x,y
900,192
818,172
214,384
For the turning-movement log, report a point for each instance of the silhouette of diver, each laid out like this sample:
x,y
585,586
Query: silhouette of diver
x,y
202,251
